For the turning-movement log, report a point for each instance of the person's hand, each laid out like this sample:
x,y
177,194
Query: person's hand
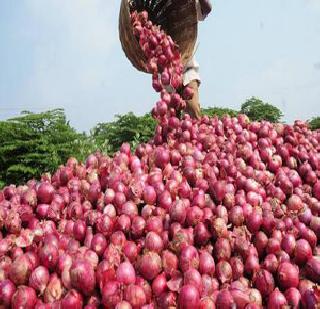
x,y
206,7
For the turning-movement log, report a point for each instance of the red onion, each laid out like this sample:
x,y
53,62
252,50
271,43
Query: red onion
x,y
193,277
154,242
39,279
125,273
237,267
313,268
82,276
130,250
288,243
53,291
206,263
20,270
276,300
45,193
169,262
111,294
189,258
98,243
135,296
159,285
24,297
222,249
123,305
303,252
224,272
150,265
288,275
7,289
189,297
48,255
271,263
293,297
264,282
225,300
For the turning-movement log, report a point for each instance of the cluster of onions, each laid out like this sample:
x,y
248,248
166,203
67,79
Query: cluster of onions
x,y
211,213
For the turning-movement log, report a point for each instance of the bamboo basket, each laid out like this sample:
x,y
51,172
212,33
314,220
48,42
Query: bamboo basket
x,y
177,17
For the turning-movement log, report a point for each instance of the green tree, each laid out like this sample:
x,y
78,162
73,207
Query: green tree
x,y
315,123
258,110
108,137
32,144
219,111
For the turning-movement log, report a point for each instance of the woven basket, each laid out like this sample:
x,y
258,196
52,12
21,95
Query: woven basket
x,y
177,17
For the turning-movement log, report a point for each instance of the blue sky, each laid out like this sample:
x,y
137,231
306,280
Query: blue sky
x,y
57,53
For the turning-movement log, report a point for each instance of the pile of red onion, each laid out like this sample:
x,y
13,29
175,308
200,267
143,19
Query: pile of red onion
x,y
212,213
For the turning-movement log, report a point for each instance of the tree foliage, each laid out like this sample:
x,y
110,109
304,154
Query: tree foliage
x,y
258,110
315,123
126,128
32,144
219,111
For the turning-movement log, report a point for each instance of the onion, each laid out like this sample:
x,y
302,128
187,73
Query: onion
x,y
98,243
135,296
222,249
288,275
169,262
206,263
288,243
154,242
7,289
111,294
39,279
159,285
48,255
45,193
53,291
276,300
24,297
264,282
224,272
237,267
293,297
150,265
189,297
189,258
125,273
303,251
82,276
20,270
225,300
313,268
123,305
